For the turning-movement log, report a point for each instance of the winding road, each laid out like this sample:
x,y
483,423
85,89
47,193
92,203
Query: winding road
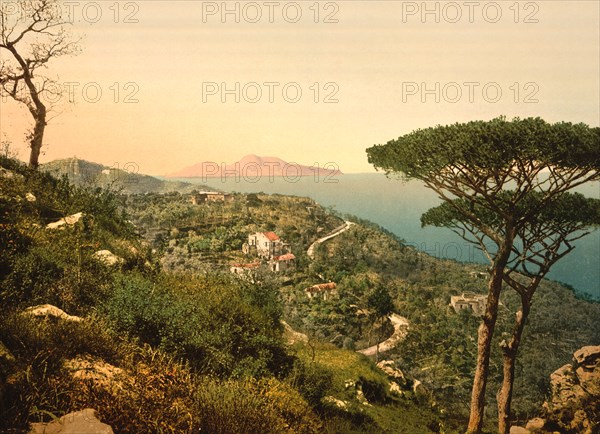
x,y
399,322
311,250
400,330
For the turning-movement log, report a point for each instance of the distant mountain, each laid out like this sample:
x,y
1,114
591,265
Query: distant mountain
x,y
255,167
126,179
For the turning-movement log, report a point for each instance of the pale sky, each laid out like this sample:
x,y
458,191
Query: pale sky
x,y
378,61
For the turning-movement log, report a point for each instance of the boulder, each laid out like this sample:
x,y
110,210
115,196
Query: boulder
x,y
50,310
88,368
79,422
536,424
30,197
587,357
107,257
575,397
336,402
518,430
389,367
65,221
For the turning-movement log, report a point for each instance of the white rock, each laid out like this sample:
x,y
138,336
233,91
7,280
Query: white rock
x,y
107,257
79,422
30,197
337,402
69,220
50,310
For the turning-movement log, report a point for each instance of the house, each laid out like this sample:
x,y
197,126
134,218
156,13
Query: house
x,y
209,196
283,262
478,275
322,290
469,300
267,245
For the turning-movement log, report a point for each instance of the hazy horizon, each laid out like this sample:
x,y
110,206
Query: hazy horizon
x,y
163,84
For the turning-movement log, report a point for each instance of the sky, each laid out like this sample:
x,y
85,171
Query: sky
x,y
167,84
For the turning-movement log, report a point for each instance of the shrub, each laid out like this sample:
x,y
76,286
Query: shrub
x,y
312,380
204,319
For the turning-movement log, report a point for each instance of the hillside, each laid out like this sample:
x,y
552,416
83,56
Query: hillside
x,y
125,179
89,318
158,334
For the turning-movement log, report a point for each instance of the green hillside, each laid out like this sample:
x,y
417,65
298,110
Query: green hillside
x,y
159,336
125,179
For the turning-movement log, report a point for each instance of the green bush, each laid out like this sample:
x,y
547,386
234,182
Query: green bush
x,y
312,380
204,319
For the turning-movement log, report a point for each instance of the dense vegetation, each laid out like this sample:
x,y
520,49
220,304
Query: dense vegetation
x,y
167,351
195,347
441,345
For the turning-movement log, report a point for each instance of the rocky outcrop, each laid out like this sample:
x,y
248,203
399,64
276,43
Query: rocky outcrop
x,y
575,399
88,368
65,221
107,257
48,310
576,393
79,422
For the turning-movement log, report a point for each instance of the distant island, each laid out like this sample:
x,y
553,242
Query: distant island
x,y
255,167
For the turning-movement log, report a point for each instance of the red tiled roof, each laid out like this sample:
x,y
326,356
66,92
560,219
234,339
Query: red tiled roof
x,y
321,287
286,257
272,236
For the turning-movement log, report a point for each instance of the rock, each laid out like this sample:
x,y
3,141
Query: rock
x,y
50,310
95,369
107,257
337,402
535,424
587,357
30,197
395,388
79,422
389,367
575,397
69,220
360,397
518,430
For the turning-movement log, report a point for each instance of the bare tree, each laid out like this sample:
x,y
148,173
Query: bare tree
x,y
32,32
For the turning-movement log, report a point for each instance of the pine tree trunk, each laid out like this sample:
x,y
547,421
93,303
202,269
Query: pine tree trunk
x,y
484,341
509,357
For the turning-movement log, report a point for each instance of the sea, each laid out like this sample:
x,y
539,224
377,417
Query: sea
x,y
397,206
